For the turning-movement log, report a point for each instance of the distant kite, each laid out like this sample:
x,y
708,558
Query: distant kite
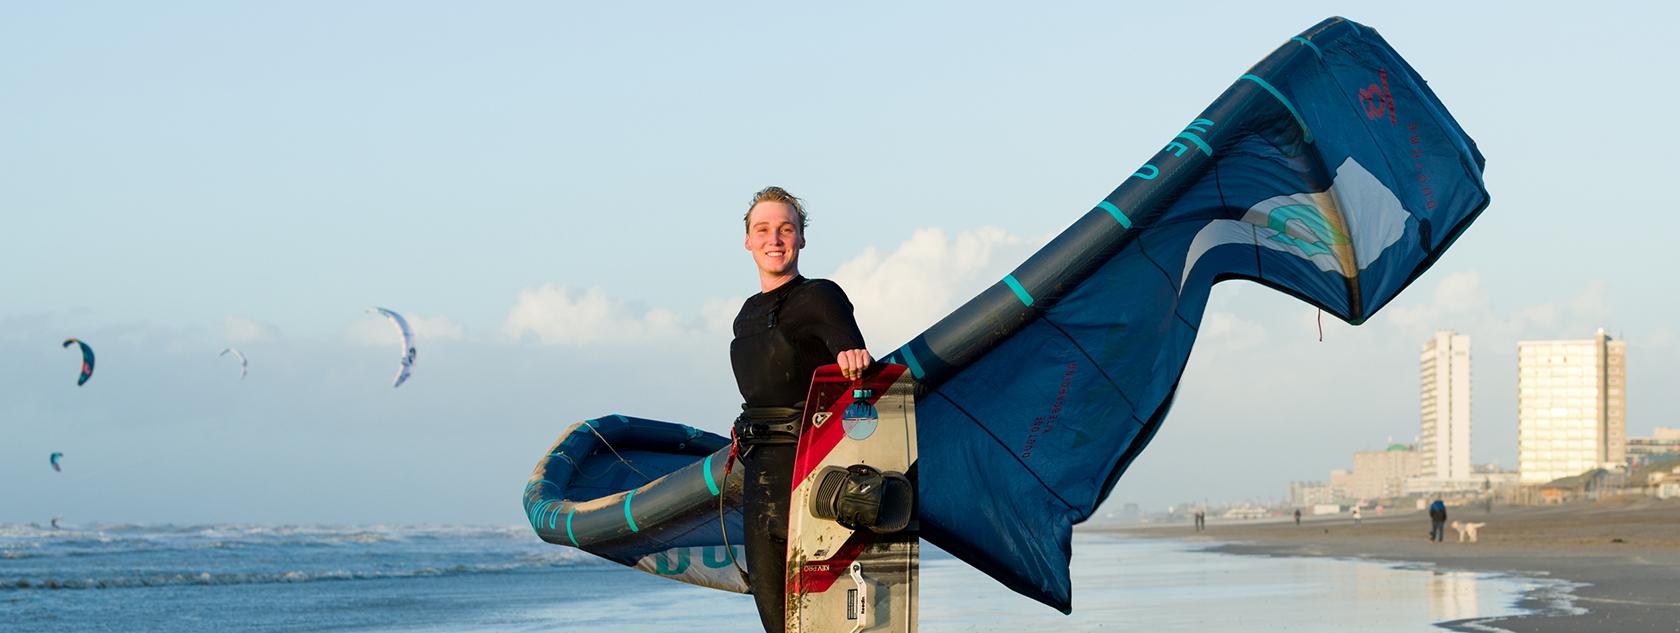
x,y
407,344
240,356
54,461
87,360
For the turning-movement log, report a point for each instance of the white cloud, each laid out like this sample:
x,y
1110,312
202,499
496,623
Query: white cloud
x,y
1591,307
560,315
719,315
242,330
437,328
896,295
377,330
1229,331
899,294
1458,302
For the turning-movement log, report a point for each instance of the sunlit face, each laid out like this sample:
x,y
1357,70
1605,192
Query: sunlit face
x,y
774,237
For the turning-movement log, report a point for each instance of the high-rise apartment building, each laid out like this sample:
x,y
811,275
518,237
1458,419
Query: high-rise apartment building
x,y
1444,407
1570,407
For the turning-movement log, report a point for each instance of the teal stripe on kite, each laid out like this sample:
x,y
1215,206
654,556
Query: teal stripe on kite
x,y
1020,291
910,359
569,527
1310,45
710,485
552,516
1305,132
1115,211
538,482
1200,144
627,518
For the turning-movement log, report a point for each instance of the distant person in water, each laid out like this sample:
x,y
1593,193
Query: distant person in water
x,y
1437,521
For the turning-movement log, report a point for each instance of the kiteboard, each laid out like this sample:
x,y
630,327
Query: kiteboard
x,y
853,550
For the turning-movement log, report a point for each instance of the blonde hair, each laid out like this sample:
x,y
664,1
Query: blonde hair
x,y
776,194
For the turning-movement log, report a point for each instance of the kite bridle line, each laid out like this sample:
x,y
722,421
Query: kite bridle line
x,y
615,452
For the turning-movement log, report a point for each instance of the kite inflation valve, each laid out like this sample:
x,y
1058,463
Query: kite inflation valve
x,y
860,410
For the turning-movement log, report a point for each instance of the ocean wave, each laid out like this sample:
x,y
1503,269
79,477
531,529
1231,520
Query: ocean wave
x,y
34,540
529,562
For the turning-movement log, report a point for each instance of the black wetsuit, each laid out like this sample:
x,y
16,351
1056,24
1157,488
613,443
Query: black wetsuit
x,y
781,338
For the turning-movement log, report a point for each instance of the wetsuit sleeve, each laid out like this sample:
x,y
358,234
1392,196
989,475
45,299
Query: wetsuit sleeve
x,y
822,311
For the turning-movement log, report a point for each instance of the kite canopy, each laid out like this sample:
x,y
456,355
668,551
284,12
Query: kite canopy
x,y
53,459
243,364
1328,171
87,360
407,362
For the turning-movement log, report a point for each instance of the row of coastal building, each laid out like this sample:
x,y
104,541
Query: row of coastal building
x,y
1571,425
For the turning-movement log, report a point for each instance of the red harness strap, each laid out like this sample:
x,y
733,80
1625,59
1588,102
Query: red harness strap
x,y
734,452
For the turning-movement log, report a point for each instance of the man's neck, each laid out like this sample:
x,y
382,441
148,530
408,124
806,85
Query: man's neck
x,y
768,282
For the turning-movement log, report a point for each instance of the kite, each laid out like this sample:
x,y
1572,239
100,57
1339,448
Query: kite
x,y
87,360
407,335
1328,171
239,355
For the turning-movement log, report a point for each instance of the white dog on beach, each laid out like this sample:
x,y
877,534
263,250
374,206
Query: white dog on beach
x,y
1466,528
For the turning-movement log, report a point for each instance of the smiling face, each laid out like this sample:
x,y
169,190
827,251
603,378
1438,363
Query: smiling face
x,y
774,238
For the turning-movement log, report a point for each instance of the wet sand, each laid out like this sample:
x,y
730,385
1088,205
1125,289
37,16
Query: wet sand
x,y
1625,553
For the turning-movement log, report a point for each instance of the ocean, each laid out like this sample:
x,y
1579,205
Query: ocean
x,y
483,579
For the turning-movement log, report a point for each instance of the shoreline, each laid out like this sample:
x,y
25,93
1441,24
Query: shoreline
x,y
1621,557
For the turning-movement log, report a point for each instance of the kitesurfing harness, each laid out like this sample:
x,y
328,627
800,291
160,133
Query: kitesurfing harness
x,y
769,425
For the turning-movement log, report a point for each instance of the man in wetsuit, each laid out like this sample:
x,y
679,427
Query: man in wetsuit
x,y
782,335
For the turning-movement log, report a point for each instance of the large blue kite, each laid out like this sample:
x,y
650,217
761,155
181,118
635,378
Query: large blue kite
x,y
1328,171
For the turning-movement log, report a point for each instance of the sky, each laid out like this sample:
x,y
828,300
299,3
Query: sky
x,y
552,194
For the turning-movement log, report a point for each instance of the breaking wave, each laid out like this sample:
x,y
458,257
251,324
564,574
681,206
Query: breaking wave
x,y
107,556
562,559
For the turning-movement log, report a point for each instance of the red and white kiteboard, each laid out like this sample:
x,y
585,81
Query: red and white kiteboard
x,y
840,579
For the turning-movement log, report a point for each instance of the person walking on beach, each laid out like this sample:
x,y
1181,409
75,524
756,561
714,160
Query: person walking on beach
x,y
1438,521
1297,516
1201,521
782,335
1356,517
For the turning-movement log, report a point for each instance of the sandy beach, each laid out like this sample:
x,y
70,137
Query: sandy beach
x,y
1623,552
